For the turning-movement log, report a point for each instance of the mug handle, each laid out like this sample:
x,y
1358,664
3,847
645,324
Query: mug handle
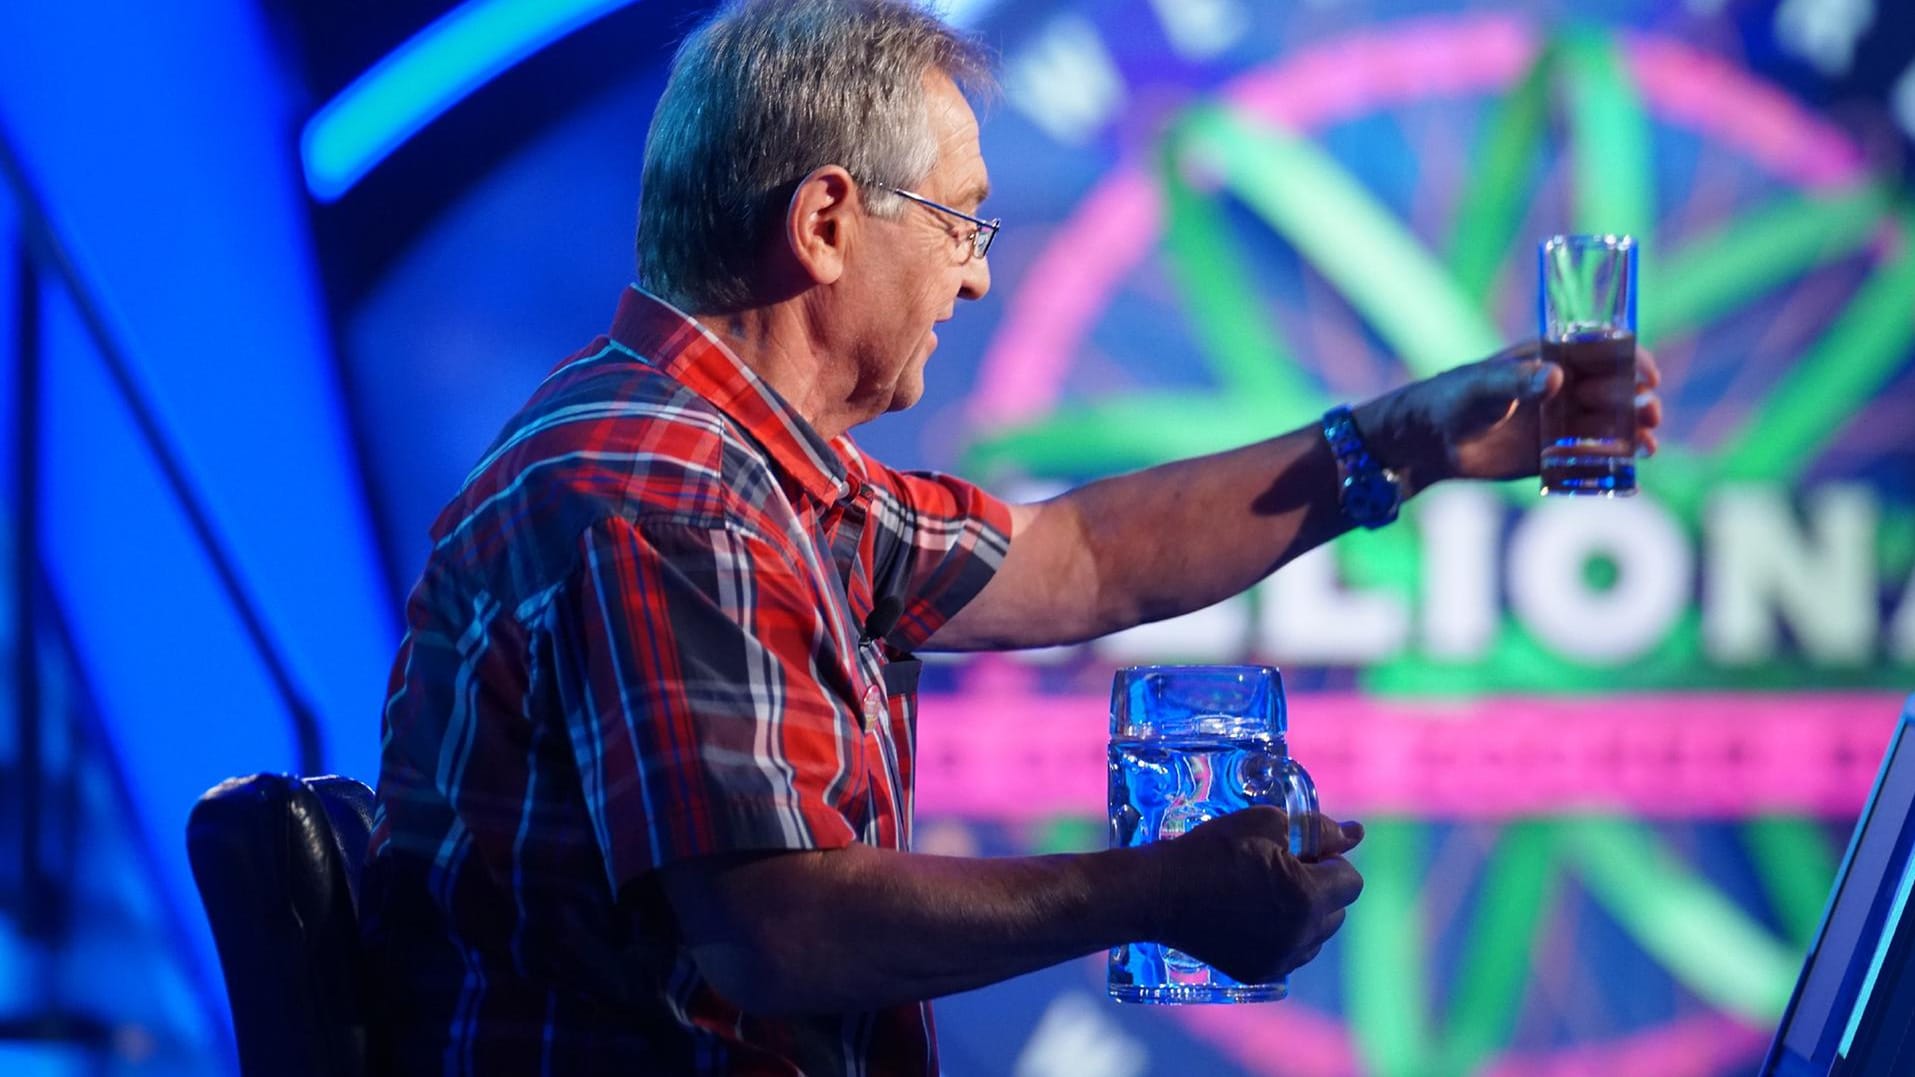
x,y
1300,804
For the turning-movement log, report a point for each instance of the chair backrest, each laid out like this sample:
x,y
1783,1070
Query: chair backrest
x,y
277,859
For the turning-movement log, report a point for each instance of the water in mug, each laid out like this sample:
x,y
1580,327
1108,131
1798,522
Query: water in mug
x,y
1161,789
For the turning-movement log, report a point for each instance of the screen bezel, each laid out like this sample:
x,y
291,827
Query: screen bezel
x,y
1899,742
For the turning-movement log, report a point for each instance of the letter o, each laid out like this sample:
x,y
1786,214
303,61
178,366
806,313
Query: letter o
x,y
1608,627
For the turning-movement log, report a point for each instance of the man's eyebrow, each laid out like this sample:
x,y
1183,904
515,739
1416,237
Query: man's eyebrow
x,y
976,194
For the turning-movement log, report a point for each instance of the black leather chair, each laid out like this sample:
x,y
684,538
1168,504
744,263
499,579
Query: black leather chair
x,y
277,859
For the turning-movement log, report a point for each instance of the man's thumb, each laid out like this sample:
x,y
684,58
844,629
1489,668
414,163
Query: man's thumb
x,y
1532,379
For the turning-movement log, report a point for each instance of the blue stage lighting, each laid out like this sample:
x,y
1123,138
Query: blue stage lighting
x,y
418,81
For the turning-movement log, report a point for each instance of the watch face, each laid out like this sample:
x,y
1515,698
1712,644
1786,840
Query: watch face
x,y
1370,499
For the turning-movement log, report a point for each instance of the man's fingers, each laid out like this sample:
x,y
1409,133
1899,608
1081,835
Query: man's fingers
x,y
1532,379
1308,952
1648,418
1339,880
1648,372
1540,380
1648,410
1334,838
1301,959
1331,925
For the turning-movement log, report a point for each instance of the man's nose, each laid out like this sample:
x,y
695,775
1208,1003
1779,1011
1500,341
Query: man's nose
x,y
977,279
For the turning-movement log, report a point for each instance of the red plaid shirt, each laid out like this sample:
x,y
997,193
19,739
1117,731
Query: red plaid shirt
x,y
637,640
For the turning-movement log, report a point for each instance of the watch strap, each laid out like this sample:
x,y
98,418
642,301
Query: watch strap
x,y
1369,493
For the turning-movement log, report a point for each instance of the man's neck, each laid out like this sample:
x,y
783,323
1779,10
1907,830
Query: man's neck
x,y
782,344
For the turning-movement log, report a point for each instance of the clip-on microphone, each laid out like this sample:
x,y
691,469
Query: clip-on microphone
x,y
901,672
884,618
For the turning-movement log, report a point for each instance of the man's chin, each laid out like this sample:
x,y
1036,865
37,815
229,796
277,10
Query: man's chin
x,y
909,390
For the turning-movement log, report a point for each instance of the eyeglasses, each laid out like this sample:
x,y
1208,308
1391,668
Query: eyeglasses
x,y
980,238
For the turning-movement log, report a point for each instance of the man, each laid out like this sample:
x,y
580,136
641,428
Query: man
x,y
646,785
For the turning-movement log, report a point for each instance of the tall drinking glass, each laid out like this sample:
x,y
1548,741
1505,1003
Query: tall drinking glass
x,y
1187,744
1587,304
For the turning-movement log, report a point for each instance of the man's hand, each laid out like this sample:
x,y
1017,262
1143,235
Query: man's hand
x,y
1481,421
1238,900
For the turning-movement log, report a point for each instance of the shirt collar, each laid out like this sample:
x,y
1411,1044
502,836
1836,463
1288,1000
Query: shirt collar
x,y
693,356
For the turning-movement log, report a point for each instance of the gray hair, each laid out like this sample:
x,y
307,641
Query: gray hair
x,y
760,96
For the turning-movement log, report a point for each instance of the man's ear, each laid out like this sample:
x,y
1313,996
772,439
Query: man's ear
x,y
821,221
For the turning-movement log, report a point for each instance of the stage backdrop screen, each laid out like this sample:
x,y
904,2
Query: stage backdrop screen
x,y
1607,751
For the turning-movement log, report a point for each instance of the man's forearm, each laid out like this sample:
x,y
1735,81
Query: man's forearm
x,y
861,928
1181,536
1173,538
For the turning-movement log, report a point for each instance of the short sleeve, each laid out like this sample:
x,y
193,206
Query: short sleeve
x,y
940,540
698,689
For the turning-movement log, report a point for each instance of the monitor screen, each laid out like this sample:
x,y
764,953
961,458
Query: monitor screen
x,y
1840,1019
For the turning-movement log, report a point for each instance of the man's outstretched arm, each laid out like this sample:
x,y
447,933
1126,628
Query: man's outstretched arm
x,y
1152,544
1170,539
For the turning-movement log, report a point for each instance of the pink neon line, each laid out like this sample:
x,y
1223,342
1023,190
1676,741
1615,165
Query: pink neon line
x,y
1023,371
1693,87
1369,70
1294,1041
1022,374
1018,756
1285,1040
1693,1047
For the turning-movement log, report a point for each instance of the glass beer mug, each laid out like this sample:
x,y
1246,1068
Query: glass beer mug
x,y
1187,744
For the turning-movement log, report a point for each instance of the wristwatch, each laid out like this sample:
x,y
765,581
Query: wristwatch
x,y
1369,492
